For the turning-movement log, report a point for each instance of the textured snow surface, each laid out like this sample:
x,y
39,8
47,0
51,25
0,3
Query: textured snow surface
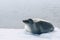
x,y
20,34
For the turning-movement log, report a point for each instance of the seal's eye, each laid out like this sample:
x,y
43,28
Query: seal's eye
x,y
30,20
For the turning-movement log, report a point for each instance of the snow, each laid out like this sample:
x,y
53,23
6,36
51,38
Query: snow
x,y
20,34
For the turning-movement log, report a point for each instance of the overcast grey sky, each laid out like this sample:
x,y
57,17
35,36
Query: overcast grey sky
x,y
12,12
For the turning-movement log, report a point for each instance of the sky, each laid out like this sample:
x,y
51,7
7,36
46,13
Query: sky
x,y
12,12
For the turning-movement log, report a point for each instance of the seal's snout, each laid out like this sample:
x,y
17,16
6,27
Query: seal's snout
x,y
28,21
25,21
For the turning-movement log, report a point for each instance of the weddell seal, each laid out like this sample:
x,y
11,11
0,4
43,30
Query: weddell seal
x,y
38,26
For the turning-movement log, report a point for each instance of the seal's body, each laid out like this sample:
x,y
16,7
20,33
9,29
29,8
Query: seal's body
x,y
38,26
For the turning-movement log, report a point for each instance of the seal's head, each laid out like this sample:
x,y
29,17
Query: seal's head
x,y
29,21
28,24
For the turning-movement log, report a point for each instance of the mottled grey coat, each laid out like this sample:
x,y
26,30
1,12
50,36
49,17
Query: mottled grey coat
x,y
38,27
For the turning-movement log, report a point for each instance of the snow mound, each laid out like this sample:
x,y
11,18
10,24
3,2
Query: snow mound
x,y
20,34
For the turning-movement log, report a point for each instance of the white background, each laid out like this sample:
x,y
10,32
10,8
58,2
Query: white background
x,y
12,12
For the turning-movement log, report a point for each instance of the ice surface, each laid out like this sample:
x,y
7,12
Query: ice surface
x,y
20,34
